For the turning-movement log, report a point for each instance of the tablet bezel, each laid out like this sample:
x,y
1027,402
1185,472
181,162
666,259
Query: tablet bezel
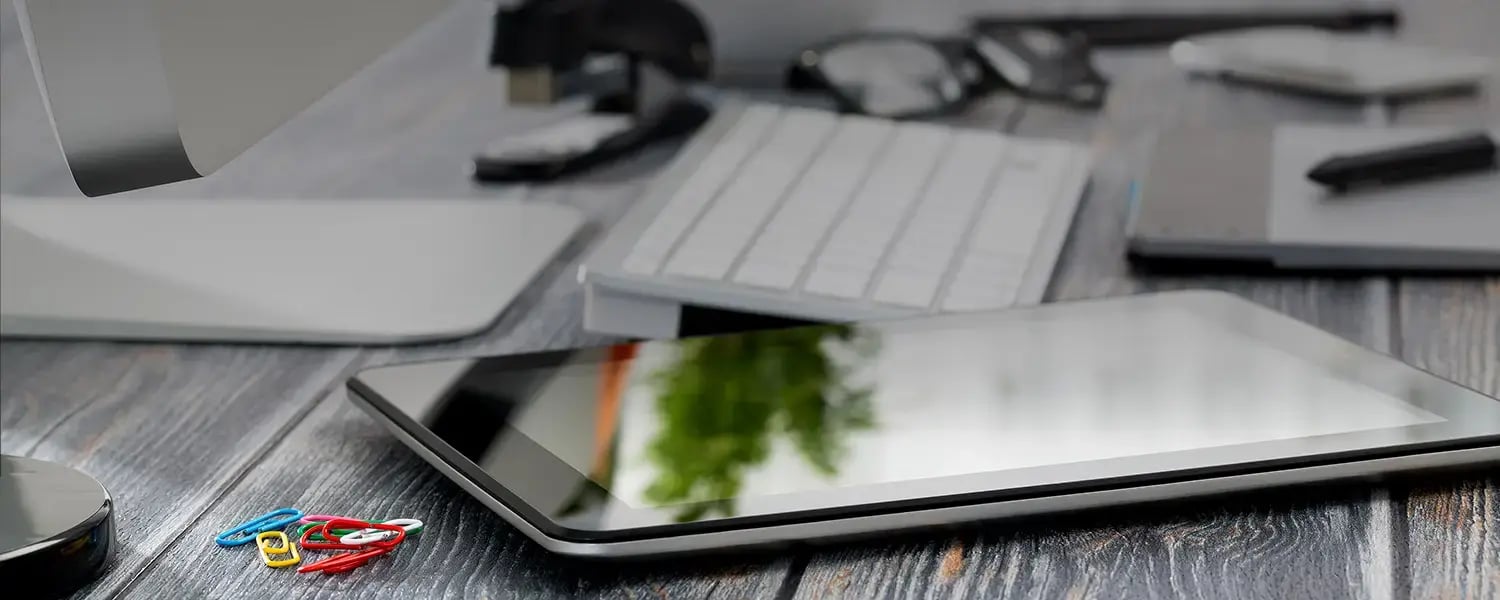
x,y
1472,421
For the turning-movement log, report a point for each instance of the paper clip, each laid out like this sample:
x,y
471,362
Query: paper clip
x,y
325,532
306,526
318,535
410,525
306,539
371,535
245,533
318,518
381,534
345,561
266,549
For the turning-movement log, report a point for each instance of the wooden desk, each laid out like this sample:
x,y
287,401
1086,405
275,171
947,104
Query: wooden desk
x,y
191,438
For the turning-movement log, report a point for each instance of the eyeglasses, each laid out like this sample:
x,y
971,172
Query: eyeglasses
x,y
889,74
898,75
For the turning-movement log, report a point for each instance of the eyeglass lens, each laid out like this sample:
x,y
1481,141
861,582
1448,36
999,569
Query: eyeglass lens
x,y
889,77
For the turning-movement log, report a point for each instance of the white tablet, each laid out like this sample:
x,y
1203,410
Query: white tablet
x,y
1342,64
1218,194
830,431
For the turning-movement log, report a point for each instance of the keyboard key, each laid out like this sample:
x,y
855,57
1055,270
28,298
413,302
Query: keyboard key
x,y
838,282
965,298
1015,212
698,189
983,282
967,168
731,223
986,267
903,167
814,203
792,250
642,264
702,267
947,206
855,262
907,288
930,256
778,275
893,184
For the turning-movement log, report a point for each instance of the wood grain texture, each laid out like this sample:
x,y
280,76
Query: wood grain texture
x,y
143,417
403,127
1325,544
1452,328
35,400
164,428
497,561
338,461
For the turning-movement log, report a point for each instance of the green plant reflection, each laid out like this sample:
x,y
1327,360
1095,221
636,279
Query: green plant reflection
x,y
724,400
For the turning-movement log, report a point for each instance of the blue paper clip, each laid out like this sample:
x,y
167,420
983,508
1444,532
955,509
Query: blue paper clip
x,y
245,533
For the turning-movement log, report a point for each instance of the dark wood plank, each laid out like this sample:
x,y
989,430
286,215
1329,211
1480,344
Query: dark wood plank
x,y
1329,544
1452,328
339,461
1328,547
1332,544
422,125
403,127
34,400
545,317
164,428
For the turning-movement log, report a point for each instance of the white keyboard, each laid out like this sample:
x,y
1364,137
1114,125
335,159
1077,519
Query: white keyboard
x,y
811,214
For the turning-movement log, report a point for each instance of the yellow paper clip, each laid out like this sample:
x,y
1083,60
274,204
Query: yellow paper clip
x,y
286,547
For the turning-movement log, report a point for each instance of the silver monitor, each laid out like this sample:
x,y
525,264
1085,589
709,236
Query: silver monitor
x,y
147,92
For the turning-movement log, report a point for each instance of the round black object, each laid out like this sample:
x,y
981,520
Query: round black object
x,y
56,528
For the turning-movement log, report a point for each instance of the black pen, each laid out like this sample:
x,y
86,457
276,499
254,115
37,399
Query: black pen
x,y
1463,154
1135,28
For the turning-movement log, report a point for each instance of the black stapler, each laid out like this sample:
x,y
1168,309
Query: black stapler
x,y
631,57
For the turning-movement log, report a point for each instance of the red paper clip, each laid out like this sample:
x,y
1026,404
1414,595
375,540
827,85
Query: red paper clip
x,y
307,542
344,561
348,561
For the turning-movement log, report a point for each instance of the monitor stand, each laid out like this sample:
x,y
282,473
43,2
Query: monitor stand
x,y
309,271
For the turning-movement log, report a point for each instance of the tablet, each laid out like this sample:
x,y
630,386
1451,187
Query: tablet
x,y
831,431
1340,64
1242,195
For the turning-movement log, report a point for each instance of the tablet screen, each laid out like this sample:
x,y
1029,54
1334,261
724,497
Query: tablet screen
x,y
819,411
820,417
